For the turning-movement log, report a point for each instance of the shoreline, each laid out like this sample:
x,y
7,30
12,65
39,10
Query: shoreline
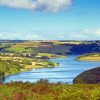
x,y
18,65
89,57
34,67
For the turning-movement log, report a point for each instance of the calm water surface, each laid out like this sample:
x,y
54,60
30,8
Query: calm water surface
x,y
66,72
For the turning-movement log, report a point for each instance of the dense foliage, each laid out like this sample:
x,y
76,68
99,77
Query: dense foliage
x,y
42,90
8,67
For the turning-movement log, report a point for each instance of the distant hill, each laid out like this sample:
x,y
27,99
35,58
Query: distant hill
x,y
91,76
55,47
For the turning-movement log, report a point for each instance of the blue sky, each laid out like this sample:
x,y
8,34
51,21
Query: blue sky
x,y
50,19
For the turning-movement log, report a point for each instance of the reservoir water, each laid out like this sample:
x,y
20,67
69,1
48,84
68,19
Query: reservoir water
x,y
65,72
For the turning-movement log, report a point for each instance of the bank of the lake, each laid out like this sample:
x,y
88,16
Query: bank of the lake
x,y
89,57
68,69
15,65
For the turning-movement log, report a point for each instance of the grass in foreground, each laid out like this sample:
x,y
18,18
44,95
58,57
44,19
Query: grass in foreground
x,y
43,90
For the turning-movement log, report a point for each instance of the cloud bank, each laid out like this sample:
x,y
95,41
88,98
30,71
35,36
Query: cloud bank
x,y
87,34
42,5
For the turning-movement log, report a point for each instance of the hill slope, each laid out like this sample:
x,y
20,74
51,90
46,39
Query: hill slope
x,y
91,76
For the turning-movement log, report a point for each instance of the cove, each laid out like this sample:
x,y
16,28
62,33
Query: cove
x,y
65,72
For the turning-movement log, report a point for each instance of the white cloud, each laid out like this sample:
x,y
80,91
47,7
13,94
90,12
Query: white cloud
x,y
45,5
20,36
97,31
87,34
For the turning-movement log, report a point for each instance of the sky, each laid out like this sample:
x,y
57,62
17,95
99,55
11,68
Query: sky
x,y
50,19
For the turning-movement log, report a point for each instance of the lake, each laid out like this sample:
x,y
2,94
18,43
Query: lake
x,y
65,72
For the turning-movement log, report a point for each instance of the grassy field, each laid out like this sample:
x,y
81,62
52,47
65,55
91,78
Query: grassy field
x,y
21,47
89,57
25,44
49,55
42,90
24,47
19,50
